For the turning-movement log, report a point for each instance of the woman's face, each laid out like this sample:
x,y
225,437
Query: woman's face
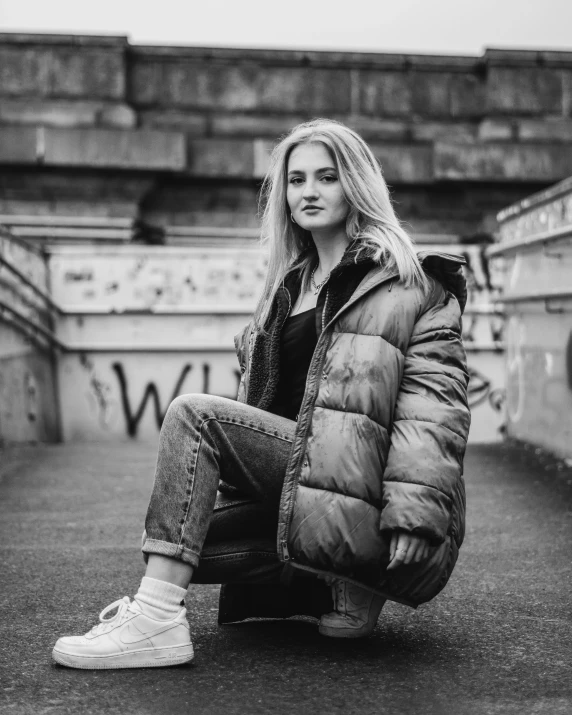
x,y
314,192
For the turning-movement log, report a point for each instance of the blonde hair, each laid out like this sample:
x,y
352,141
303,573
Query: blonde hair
x,y
371,218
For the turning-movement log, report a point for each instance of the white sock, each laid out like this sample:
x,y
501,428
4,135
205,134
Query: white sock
x,y
159,599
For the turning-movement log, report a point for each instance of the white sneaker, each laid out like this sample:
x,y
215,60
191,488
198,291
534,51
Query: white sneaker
x,y
129,639
355,613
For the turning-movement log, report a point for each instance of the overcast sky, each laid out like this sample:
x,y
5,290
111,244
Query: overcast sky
x,y
428,26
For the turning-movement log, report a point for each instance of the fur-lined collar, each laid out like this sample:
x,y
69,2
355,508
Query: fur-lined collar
x,y
264,372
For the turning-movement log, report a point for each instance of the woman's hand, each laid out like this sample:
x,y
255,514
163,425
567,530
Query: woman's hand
x,y
405,548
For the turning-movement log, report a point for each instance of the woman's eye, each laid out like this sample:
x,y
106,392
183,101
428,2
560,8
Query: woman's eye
x,y
328,178
296,180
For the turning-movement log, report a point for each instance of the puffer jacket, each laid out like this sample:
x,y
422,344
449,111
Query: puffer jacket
x,y
382,429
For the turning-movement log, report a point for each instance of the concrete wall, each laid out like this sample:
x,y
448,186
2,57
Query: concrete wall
x,y
536,246
94,126
28,399
143,324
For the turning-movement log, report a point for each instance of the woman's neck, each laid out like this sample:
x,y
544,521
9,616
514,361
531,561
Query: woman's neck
x,y
330,250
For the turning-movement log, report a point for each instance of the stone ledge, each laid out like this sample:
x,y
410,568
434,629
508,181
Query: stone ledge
x,y
239,87
30,38
228,158
72,192
502,161
400,163
545,130
496,130
18,145
405,163
529,90
402,94
253,125
433,131
359,60
66,113
193,124
374,129
527,58
307,58
62,72
93,148
139,149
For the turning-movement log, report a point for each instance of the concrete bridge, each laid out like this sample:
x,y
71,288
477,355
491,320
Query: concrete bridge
x,y
178,137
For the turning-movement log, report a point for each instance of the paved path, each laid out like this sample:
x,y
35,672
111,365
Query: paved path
x,y
497,640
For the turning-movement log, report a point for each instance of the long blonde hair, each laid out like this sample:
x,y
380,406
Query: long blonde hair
x,y
371,218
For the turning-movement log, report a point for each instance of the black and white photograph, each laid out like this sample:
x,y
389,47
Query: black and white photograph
x,y
285,358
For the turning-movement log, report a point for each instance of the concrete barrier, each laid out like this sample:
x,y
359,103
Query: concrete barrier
x,y
144,324
127,328
536,246
28,393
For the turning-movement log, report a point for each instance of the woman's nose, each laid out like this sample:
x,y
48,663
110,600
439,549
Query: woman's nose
x,y
310,191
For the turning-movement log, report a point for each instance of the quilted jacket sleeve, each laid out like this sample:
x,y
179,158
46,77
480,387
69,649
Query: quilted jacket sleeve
x,y
431,425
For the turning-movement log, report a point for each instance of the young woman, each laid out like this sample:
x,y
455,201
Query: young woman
x,y
351,420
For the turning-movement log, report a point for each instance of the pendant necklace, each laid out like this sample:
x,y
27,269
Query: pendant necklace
x,y
316,288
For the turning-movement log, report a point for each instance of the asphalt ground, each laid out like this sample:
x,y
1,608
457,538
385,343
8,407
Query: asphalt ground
x,y
497,640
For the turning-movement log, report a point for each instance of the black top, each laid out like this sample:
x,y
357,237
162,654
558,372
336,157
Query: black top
x,y
297,343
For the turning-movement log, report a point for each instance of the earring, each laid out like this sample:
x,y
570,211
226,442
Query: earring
x,y
292,218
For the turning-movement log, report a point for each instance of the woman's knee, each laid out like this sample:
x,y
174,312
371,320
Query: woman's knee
x,y
196,403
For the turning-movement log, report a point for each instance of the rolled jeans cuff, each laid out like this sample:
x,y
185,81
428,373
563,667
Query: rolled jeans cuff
x,y
173,551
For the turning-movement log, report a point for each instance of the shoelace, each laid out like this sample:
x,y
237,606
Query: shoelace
x,y
340,596
122,605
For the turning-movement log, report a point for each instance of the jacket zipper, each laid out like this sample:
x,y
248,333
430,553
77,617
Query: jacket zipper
x,y
324,309
251,344
284,541
289,307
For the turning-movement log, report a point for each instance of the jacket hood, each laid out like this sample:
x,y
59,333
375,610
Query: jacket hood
x,y
447,268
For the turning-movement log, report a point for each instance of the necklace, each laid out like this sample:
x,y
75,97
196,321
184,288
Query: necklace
x,y
316,288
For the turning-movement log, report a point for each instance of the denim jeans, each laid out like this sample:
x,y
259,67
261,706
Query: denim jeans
x,y
204,439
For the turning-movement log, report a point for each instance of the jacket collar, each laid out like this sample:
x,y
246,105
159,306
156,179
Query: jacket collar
x,y
444,267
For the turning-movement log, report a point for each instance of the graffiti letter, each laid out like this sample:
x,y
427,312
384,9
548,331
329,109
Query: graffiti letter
x,y
150,391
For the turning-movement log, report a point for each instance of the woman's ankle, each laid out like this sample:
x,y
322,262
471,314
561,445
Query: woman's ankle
x,y
160,600
165,568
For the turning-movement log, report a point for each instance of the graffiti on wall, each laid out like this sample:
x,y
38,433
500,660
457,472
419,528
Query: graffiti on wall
x,y
146,278
109,399
132,418
129,392
31,396
481,391
484,286
129,396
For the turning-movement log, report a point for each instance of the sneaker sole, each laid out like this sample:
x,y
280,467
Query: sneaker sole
x,y
148,658
333,632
